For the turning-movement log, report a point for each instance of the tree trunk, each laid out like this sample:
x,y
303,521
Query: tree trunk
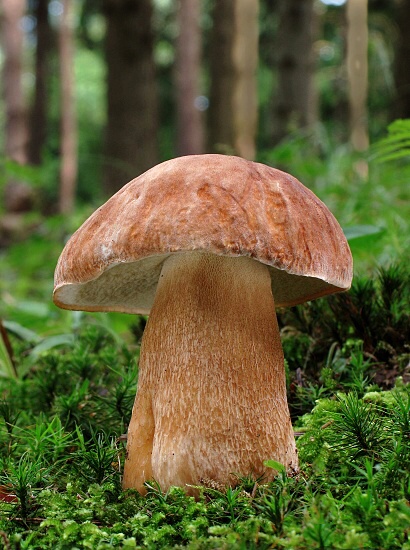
x,y
187,67
15,121
357,71
68,167
38,118
132,109
18,196
295,105
401,106
233,66
222,77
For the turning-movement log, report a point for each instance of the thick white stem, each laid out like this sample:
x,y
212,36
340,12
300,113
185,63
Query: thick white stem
x,y
211,399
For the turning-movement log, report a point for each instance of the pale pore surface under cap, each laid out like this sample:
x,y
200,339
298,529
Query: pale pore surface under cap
x,y
130,287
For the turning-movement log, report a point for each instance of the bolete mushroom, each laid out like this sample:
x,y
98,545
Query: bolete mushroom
x,y
207,245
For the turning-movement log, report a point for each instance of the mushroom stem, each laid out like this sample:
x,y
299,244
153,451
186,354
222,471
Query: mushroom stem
x,y
211,400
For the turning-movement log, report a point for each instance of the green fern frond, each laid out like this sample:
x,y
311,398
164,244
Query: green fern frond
x,y
396,145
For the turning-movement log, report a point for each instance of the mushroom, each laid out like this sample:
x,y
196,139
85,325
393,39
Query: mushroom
x,y
207,245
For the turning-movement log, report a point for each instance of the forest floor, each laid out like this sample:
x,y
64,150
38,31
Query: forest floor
x,y
63,412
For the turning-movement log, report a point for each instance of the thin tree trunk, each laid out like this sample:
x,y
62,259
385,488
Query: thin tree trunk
x,y
295,104
38,118
222,76
187,66
132,107
233,65
401,106
18,196
245,56
357,72
15,120
68,167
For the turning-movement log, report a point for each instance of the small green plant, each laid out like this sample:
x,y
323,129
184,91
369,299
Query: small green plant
x,y
47,441
358,428
233,503
279,497
97,460
10,416
24,478
319,532
121,397
73,409
401,414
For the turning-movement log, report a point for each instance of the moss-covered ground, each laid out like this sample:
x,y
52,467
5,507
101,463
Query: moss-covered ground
x,y
64,416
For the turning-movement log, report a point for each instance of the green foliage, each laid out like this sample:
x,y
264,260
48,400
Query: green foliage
x,y
349,340
47,441
61,455
98,459
24,478
347,434
396,145
357,427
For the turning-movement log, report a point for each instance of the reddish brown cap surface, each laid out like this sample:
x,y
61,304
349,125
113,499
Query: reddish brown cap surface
x,y
220,204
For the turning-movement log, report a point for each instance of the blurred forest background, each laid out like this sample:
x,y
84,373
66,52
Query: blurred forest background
x,y
96,92
93,93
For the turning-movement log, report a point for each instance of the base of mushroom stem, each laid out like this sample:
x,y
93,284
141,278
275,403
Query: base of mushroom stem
x,y
206,483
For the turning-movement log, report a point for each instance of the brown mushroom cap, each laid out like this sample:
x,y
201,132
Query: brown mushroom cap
x,y
220,204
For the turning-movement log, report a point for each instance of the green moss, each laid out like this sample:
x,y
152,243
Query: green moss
x,y
61,456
